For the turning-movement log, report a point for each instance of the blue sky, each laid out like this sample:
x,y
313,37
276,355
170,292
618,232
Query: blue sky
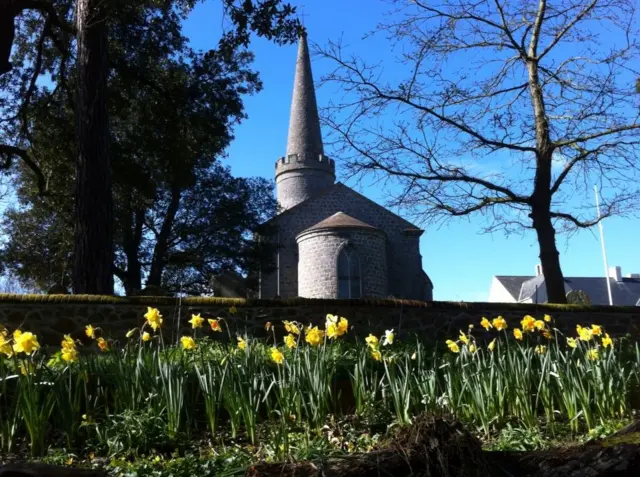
x,y
459,260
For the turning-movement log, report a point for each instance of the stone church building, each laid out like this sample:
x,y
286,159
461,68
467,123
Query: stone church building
x,y
332,241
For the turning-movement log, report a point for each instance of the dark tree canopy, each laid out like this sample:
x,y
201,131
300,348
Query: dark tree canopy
x,y
509,109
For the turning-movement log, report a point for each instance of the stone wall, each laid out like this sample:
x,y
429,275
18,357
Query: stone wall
x,y
52,316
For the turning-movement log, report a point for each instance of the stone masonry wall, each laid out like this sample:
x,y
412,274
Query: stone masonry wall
x,y
405,279
317,265
52,316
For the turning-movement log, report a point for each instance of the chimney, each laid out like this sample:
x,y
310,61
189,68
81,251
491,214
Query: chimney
x,y
538,270
616,273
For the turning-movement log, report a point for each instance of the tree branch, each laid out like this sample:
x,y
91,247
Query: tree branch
x,y
8,152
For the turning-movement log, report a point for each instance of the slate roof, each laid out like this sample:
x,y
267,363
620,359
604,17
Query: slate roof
x,y
340,220
513,284
624,293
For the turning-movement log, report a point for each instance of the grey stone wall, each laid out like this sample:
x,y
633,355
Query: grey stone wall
x,y
296,185
405,279
318,261
432,321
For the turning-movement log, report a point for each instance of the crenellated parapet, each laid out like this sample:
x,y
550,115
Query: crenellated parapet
x,y
297,161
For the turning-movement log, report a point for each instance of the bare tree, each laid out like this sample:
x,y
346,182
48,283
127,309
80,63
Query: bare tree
x,y
513,109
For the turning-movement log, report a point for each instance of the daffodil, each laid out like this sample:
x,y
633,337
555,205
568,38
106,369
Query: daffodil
x,y
463,338
332,330
277,356
596,330
343,326
486,324
25,342
314,336
607,341
69,355
517,333
528,323
90,331
242,344
154,318
500,323
388,338
547,334
188,342
585,334
103,344
5,345
492,345
593,354
291,328
267,325
215,324
572,343
67,342
547,318
196,321
27,368
541,349
131,332
372,341
290,341
146,336
375,354
472,348
331,318
453,346
538,325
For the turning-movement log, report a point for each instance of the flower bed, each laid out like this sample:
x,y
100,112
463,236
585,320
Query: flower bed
x,y
233,399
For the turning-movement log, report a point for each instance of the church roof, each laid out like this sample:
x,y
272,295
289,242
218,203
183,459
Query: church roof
x,y
340,220
305,138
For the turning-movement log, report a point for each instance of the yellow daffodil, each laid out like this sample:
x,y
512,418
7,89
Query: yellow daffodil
x,y
372,341
332,318
585,334
68,343
547,318
332,330
464,338
538,325
541,349
267,325
607,341
215,324
242,344
146,336
453,346
472,348
471,327
492,345
5,346
196,321
103,344
547,334
90,331
69,355
25,343
596,330
154,318
593,354
131,332
188,342
517,333
375,354
343,326
500,323
290,341
486,324
277,356
314,336
389,336
572,343
528,323
291,328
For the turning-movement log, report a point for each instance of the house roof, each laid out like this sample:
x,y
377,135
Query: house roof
x,y
513,283
625,292
340,220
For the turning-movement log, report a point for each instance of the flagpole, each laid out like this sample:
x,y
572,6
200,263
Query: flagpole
x,y
604,250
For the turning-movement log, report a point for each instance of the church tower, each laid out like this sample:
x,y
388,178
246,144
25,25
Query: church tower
x,y
305,171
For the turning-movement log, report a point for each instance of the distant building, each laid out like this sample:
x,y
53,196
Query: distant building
x,y
332,241
625,291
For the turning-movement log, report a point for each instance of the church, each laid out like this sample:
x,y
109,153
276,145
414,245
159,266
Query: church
x,y
333,242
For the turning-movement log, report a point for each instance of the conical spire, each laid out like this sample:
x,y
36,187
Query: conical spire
x,y
305,138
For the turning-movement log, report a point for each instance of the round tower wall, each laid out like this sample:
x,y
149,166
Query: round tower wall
x,y
318,261
299,181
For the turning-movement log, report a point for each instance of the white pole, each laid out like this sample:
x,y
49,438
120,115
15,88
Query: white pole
x,y
604,251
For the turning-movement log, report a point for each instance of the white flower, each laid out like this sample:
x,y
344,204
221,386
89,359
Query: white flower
x,y
388,338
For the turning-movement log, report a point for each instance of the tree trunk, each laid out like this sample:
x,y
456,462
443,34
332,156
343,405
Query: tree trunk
x,y
549,256
93,242
162,241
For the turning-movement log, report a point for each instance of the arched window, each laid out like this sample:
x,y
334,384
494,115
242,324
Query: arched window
x,y
349,284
